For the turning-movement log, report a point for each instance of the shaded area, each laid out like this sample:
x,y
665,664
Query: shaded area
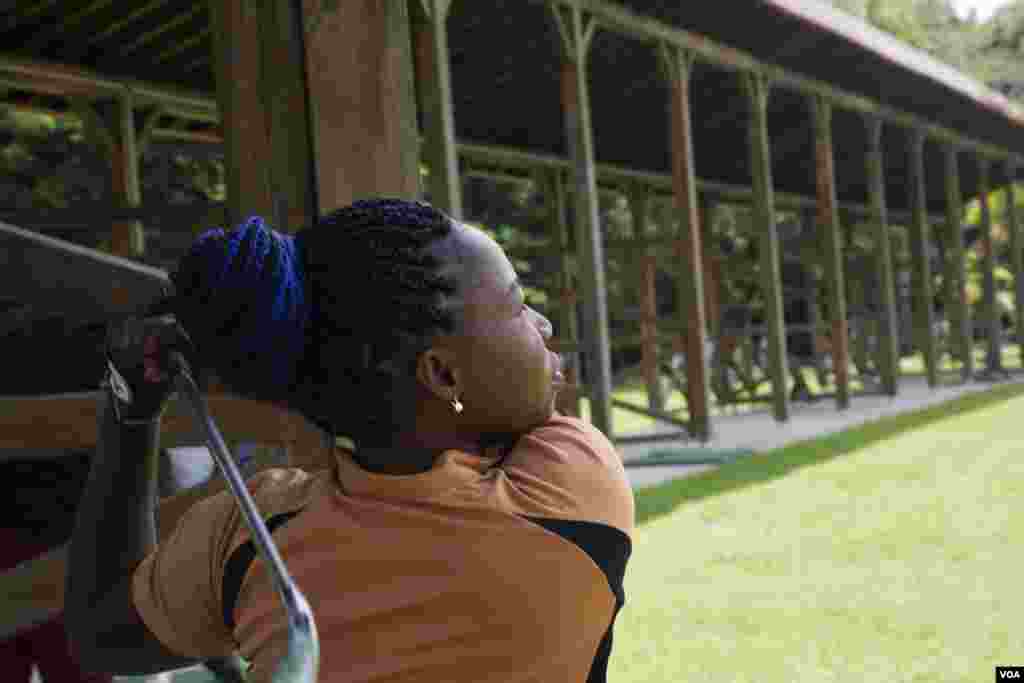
x,y
506,65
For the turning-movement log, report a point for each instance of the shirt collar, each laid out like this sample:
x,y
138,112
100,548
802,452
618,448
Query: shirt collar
x,y
451,470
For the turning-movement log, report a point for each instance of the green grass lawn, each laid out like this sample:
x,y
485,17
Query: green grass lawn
x,y
887,553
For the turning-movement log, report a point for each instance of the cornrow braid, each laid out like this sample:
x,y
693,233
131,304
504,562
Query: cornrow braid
x,y
377,301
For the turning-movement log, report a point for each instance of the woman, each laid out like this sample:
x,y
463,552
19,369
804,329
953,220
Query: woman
x,y
464,531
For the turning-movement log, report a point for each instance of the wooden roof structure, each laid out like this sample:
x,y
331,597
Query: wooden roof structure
x,y
505,80
492,88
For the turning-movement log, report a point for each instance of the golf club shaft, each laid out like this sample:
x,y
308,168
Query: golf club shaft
x,y
301,663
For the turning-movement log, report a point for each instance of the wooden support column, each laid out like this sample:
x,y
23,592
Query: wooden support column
x,y
121,134
832,243
317,105
237,58
568,402
638,206
993,331
1016,253
757,91
359,78
678,65
960,314
888,325
434,91
291,178
920,242
126,237
577,30
712,268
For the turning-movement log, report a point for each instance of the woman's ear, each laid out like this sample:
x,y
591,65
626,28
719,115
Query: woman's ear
x,y
436,371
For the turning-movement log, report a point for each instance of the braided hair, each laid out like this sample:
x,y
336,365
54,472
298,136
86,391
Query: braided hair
x,y
331,321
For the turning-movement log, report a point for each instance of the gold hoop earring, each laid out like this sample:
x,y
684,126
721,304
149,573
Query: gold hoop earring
x,y
457,406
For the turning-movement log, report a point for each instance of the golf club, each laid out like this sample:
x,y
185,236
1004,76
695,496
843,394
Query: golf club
x,y
301,663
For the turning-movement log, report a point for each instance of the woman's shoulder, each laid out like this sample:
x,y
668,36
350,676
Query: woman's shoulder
x,y
572,441
569,469
274,491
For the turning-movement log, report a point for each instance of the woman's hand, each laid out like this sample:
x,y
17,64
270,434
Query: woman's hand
x,y
140,371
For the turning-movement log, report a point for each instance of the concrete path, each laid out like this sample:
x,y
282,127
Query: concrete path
x,y
760,432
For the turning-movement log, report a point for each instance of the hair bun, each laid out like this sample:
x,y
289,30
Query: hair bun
x,y
241,297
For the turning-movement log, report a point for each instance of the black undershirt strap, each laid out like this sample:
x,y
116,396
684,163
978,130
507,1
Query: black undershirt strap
x,y
610,549
238,565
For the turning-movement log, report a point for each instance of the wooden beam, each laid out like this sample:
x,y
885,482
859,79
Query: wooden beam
x,y
576,32
712,267
758,90
291,177
614,17
690,248
568,403
647,295
55,275
238,55
994,346
960,318
920,243
434,90
69,422
127,238
831,240
364,133
146,120
34,590
610,175
1016,252
89,217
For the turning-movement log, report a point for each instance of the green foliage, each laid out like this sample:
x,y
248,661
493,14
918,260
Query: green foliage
x,y
991,51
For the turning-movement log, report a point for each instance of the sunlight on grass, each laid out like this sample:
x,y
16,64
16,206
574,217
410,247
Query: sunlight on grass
x,y
893,562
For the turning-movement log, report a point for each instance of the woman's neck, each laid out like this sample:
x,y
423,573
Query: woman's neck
x,y
395,460
410,454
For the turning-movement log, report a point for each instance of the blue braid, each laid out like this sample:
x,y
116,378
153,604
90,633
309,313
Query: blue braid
x,y
244,302
348,303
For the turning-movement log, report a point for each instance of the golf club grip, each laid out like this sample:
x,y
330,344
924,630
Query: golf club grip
x,y
301,663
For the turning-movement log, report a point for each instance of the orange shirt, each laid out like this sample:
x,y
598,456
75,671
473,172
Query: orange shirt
x,y
484,568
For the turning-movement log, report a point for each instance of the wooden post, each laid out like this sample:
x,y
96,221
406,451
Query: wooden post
x,y
757,91
434,91
690,255
888,335
1016,255
568,402
121,135
831,239
297,144
712,268
960,314
127,237
359,80
577,31
993,347
244,119
291,178
921,277
638,201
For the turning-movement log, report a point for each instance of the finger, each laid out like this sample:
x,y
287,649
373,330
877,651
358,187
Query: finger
x,y
153,372
151,347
